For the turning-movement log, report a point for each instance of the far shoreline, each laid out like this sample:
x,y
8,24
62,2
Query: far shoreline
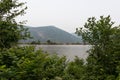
x,y
55,43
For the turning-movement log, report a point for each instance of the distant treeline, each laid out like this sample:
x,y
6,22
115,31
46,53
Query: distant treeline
x,y
49,42
54,43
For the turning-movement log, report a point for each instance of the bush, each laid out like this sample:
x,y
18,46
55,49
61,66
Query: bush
x,y
75,70
24,63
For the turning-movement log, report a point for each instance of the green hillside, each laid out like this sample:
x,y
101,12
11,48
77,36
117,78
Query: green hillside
x,y
53,34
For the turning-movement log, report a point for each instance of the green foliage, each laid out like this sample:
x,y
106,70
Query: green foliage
x,y
36,42
75,70
97,32
103,60
49,42
24,63
10,30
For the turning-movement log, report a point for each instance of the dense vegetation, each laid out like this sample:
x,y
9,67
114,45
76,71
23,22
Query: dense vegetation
x,y
103,62
26,63
10,29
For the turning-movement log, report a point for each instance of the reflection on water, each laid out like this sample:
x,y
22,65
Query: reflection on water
x,y
70,51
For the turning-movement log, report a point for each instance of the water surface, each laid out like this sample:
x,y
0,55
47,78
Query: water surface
x,y
70,51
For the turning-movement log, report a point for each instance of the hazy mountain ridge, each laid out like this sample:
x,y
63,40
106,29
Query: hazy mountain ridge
x,y
53,34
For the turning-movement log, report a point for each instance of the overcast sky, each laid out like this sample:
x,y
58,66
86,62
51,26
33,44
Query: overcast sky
x,y
69,14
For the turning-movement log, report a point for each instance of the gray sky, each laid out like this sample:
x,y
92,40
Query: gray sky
x,y
69,14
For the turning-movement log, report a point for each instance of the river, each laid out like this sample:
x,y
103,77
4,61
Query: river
x,y
70,51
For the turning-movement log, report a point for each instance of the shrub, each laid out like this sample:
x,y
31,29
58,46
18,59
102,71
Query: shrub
x,y
25,63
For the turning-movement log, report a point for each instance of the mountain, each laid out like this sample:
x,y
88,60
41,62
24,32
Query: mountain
x,y
53,34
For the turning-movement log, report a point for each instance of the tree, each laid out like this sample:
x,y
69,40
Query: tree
x,y
103,58
11,31
49,42
36,42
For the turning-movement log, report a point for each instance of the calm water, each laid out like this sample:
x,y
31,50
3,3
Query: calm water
x,y
70,51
